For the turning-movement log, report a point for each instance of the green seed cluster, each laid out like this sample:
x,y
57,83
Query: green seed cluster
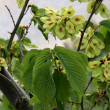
x,y
20,3
102,9
62,24
101,69
92,46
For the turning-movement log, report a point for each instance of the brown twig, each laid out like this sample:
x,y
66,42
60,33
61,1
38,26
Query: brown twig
x,y
17,24
10,15
99,5
93,11
26,31
82,34
26,10
88,84
98,99
21,48
73,102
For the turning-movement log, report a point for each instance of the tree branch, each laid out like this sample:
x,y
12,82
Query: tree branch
x,y
10,15
5,80
17,24
88,84
27,28
8,90
98,99
93,11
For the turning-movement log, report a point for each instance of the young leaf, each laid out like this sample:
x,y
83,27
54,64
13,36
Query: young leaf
x,y
71,62
44,86
34,9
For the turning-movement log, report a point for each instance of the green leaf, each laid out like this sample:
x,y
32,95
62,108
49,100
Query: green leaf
x,y
41,12
6,53
34,9
1,41
74,66
28,56
34,20
60,105
73,96
26,39
63,87
106,24
42,58
43,30
17,73
99,35
20,31
44,86
107,41
5,102
40,26
83,56
33,100
14,63
27,75
39,106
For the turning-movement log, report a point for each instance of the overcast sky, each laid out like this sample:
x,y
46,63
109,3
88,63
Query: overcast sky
x,y
36,36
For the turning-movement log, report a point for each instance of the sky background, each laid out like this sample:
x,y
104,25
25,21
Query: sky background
x,y
6,24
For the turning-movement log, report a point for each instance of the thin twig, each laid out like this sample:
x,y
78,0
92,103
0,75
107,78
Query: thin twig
x,y
21,48
10,15
99,5
88,84
93,11
82,34
26,10
98,99
17,24
73,102
26,31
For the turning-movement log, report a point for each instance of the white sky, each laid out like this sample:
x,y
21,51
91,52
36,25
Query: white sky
x,y
36,36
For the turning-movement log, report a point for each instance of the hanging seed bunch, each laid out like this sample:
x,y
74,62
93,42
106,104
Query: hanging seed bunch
x,y
20,3
102,9
101,69
92,46
62,24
